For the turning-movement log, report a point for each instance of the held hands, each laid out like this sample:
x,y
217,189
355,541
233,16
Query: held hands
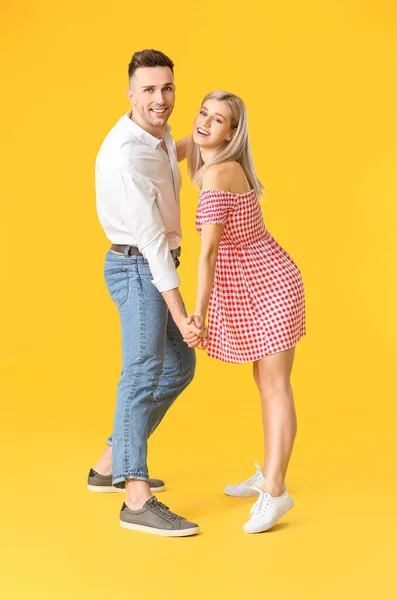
x,y
195,333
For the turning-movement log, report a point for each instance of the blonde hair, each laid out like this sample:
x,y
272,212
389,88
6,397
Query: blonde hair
x,y
237,149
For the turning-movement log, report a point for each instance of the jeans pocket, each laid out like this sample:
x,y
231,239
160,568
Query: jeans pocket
x,y
117,284
144,269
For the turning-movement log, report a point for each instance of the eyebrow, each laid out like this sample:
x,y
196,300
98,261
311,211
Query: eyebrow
x,y
162,85
219,114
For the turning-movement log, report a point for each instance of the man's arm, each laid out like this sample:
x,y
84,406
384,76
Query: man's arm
x,y
135,201
188,328
134,198
182,146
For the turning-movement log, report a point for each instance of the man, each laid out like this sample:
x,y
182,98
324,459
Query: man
x,y
138,184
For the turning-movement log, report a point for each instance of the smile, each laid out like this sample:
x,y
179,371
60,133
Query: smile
x,y
202,132
158,111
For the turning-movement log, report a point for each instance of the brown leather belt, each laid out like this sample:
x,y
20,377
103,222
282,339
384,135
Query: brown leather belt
x,y
133,250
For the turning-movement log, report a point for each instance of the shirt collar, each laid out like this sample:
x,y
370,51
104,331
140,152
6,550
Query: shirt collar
x,y
143,135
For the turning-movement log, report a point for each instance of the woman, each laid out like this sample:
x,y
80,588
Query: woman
x,y
250,287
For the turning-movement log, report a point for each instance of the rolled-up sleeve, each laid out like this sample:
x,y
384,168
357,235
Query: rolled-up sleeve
x,y
135,201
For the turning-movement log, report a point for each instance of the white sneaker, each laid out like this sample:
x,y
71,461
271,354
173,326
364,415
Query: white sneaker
x,y
267,510
246,488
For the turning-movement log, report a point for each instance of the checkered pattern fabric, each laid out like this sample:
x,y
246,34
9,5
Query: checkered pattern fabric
x,y
257,305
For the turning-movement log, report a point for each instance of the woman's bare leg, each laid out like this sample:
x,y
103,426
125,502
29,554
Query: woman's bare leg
x,y
272,375
264,422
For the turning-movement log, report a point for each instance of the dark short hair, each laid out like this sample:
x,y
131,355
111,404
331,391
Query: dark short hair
x,y
149,58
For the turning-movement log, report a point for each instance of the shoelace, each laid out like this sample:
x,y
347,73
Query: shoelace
x,y
252,480
259,508
159,508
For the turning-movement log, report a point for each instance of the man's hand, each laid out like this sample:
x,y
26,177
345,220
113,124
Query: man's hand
x,y
182,147
195,335
198,336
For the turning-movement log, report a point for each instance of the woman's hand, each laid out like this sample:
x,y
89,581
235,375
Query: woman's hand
x,y
199,332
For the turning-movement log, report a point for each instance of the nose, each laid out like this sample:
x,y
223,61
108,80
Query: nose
x,y
207,121
158,97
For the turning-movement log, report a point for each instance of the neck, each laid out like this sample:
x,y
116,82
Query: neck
x,y
155,131
208,154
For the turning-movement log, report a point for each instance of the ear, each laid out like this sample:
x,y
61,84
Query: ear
x,y
230,136
130,96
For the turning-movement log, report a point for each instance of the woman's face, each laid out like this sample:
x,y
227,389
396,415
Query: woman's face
x,y
212,126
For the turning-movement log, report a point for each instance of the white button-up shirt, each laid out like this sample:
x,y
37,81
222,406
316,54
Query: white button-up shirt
x,y
137,191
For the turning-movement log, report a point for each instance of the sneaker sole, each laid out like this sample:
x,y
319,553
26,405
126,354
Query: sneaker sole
x,y
162,532
280,513
111,489
247,493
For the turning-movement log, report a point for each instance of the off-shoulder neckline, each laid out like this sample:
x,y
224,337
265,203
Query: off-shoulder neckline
x,y
227,192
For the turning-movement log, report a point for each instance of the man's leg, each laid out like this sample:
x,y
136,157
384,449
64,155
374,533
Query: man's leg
x,y
177,373
143,325
144,317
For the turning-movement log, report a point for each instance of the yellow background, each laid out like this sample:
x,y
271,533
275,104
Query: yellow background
x,y
319,80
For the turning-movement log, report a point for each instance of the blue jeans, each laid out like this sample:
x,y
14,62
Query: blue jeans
x,y
157,365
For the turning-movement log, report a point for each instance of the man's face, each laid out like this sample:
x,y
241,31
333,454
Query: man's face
x,y
152,95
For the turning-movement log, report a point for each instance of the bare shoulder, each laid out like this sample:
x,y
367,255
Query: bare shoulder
x,y
216,177
228,176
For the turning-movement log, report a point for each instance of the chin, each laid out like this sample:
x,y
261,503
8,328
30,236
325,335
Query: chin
x,y
199,141
156,121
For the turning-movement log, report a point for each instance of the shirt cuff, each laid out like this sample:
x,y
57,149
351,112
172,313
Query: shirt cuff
x,y
167,283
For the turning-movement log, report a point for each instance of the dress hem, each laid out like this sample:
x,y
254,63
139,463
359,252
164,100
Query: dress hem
x,y
248,360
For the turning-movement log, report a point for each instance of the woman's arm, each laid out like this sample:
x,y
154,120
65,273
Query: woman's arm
x,y
216,178
210,237
211,234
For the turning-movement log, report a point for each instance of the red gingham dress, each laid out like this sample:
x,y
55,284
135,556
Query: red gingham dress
x,y
257,304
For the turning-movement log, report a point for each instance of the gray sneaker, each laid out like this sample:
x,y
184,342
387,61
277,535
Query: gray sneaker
x,y
154,517
103,483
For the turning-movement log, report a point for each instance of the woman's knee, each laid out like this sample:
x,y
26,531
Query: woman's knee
x,y
272,387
